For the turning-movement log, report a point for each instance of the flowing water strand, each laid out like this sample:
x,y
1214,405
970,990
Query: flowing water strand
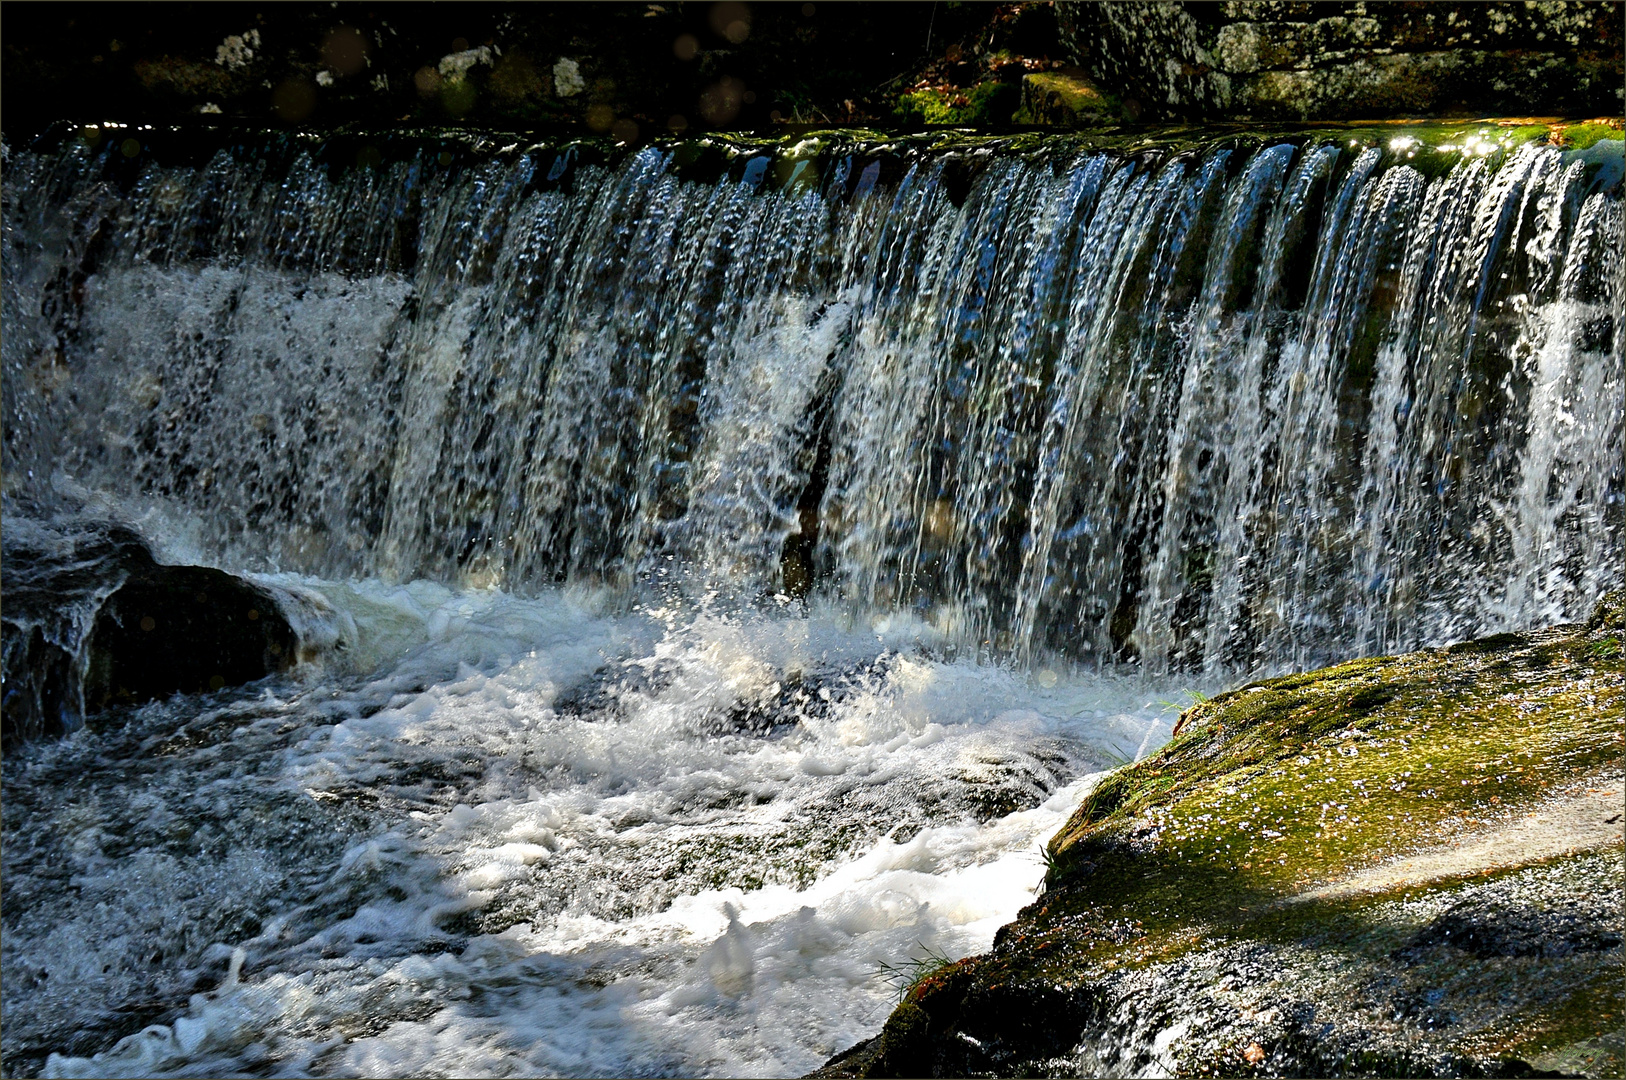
x,y
1230,410
1203,437
680,514
1078,497
1236,622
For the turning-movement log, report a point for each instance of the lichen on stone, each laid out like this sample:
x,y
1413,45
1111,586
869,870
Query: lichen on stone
x,y
1393,866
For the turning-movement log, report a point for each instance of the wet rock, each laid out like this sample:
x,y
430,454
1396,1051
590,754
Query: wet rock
x,y
55,582
1325,874
1328,61
91,619
1066,98
183,629
1484,927
1609,616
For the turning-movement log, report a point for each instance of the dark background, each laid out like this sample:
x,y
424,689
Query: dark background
x,y
650,69
822,62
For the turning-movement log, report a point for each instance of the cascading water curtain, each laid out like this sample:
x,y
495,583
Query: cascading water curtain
x,y
1239,409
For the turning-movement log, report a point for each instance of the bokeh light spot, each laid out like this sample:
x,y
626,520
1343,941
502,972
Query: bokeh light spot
x,y
427,80
732,20
600,117
677,123
720,102
130,148
808,9
344,50
625,131
685,47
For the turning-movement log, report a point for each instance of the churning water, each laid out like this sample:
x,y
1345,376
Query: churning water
x,y
724,565
506,855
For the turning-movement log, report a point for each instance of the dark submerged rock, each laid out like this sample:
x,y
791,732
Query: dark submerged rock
x,y
183,629
91,619
54,582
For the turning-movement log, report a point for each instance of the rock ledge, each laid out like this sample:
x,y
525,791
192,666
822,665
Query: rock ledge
x,y
1403,866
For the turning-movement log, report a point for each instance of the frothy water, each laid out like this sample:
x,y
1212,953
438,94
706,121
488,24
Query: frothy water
x,y
538,839
718,567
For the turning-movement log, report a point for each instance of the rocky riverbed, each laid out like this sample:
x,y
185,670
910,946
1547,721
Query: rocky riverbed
x,y
1402,866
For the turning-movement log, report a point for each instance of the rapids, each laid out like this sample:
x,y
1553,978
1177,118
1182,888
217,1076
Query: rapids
x,y
719,566
536,840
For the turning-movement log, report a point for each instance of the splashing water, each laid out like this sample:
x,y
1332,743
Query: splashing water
x,y
744,557
1230,411
540,841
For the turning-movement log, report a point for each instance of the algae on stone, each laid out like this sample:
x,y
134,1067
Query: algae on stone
x,y
1192,919
1066,98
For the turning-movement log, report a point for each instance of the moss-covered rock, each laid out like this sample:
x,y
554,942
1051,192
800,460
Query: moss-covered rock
x,y
987,104
1067,98
1397,866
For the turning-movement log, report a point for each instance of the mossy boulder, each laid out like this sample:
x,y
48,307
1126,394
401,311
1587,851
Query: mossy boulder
x,y
1402,866
1066,98
987,104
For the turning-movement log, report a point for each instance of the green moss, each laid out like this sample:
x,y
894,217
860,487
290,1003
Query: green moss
x,y
1583,136
1306,776
904,1045
1284,785
1432,147
1561,1033
987,104
1068,99
1076,94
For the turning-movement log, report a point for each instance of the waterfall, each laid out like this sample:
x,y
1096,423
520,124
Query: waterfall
x,y
1237,408
642,521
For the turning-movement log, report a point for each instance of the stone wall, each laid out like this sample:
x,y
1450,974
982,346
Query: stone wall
x,y
1268,60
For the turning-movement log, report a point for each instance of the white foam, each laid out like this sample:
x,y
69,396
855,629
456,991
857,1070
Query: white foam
x,y
707,919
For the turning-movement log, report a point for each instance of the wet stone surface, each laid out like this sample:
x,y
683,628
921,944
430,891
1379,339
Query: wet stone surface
x,y
1194,924
92,620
